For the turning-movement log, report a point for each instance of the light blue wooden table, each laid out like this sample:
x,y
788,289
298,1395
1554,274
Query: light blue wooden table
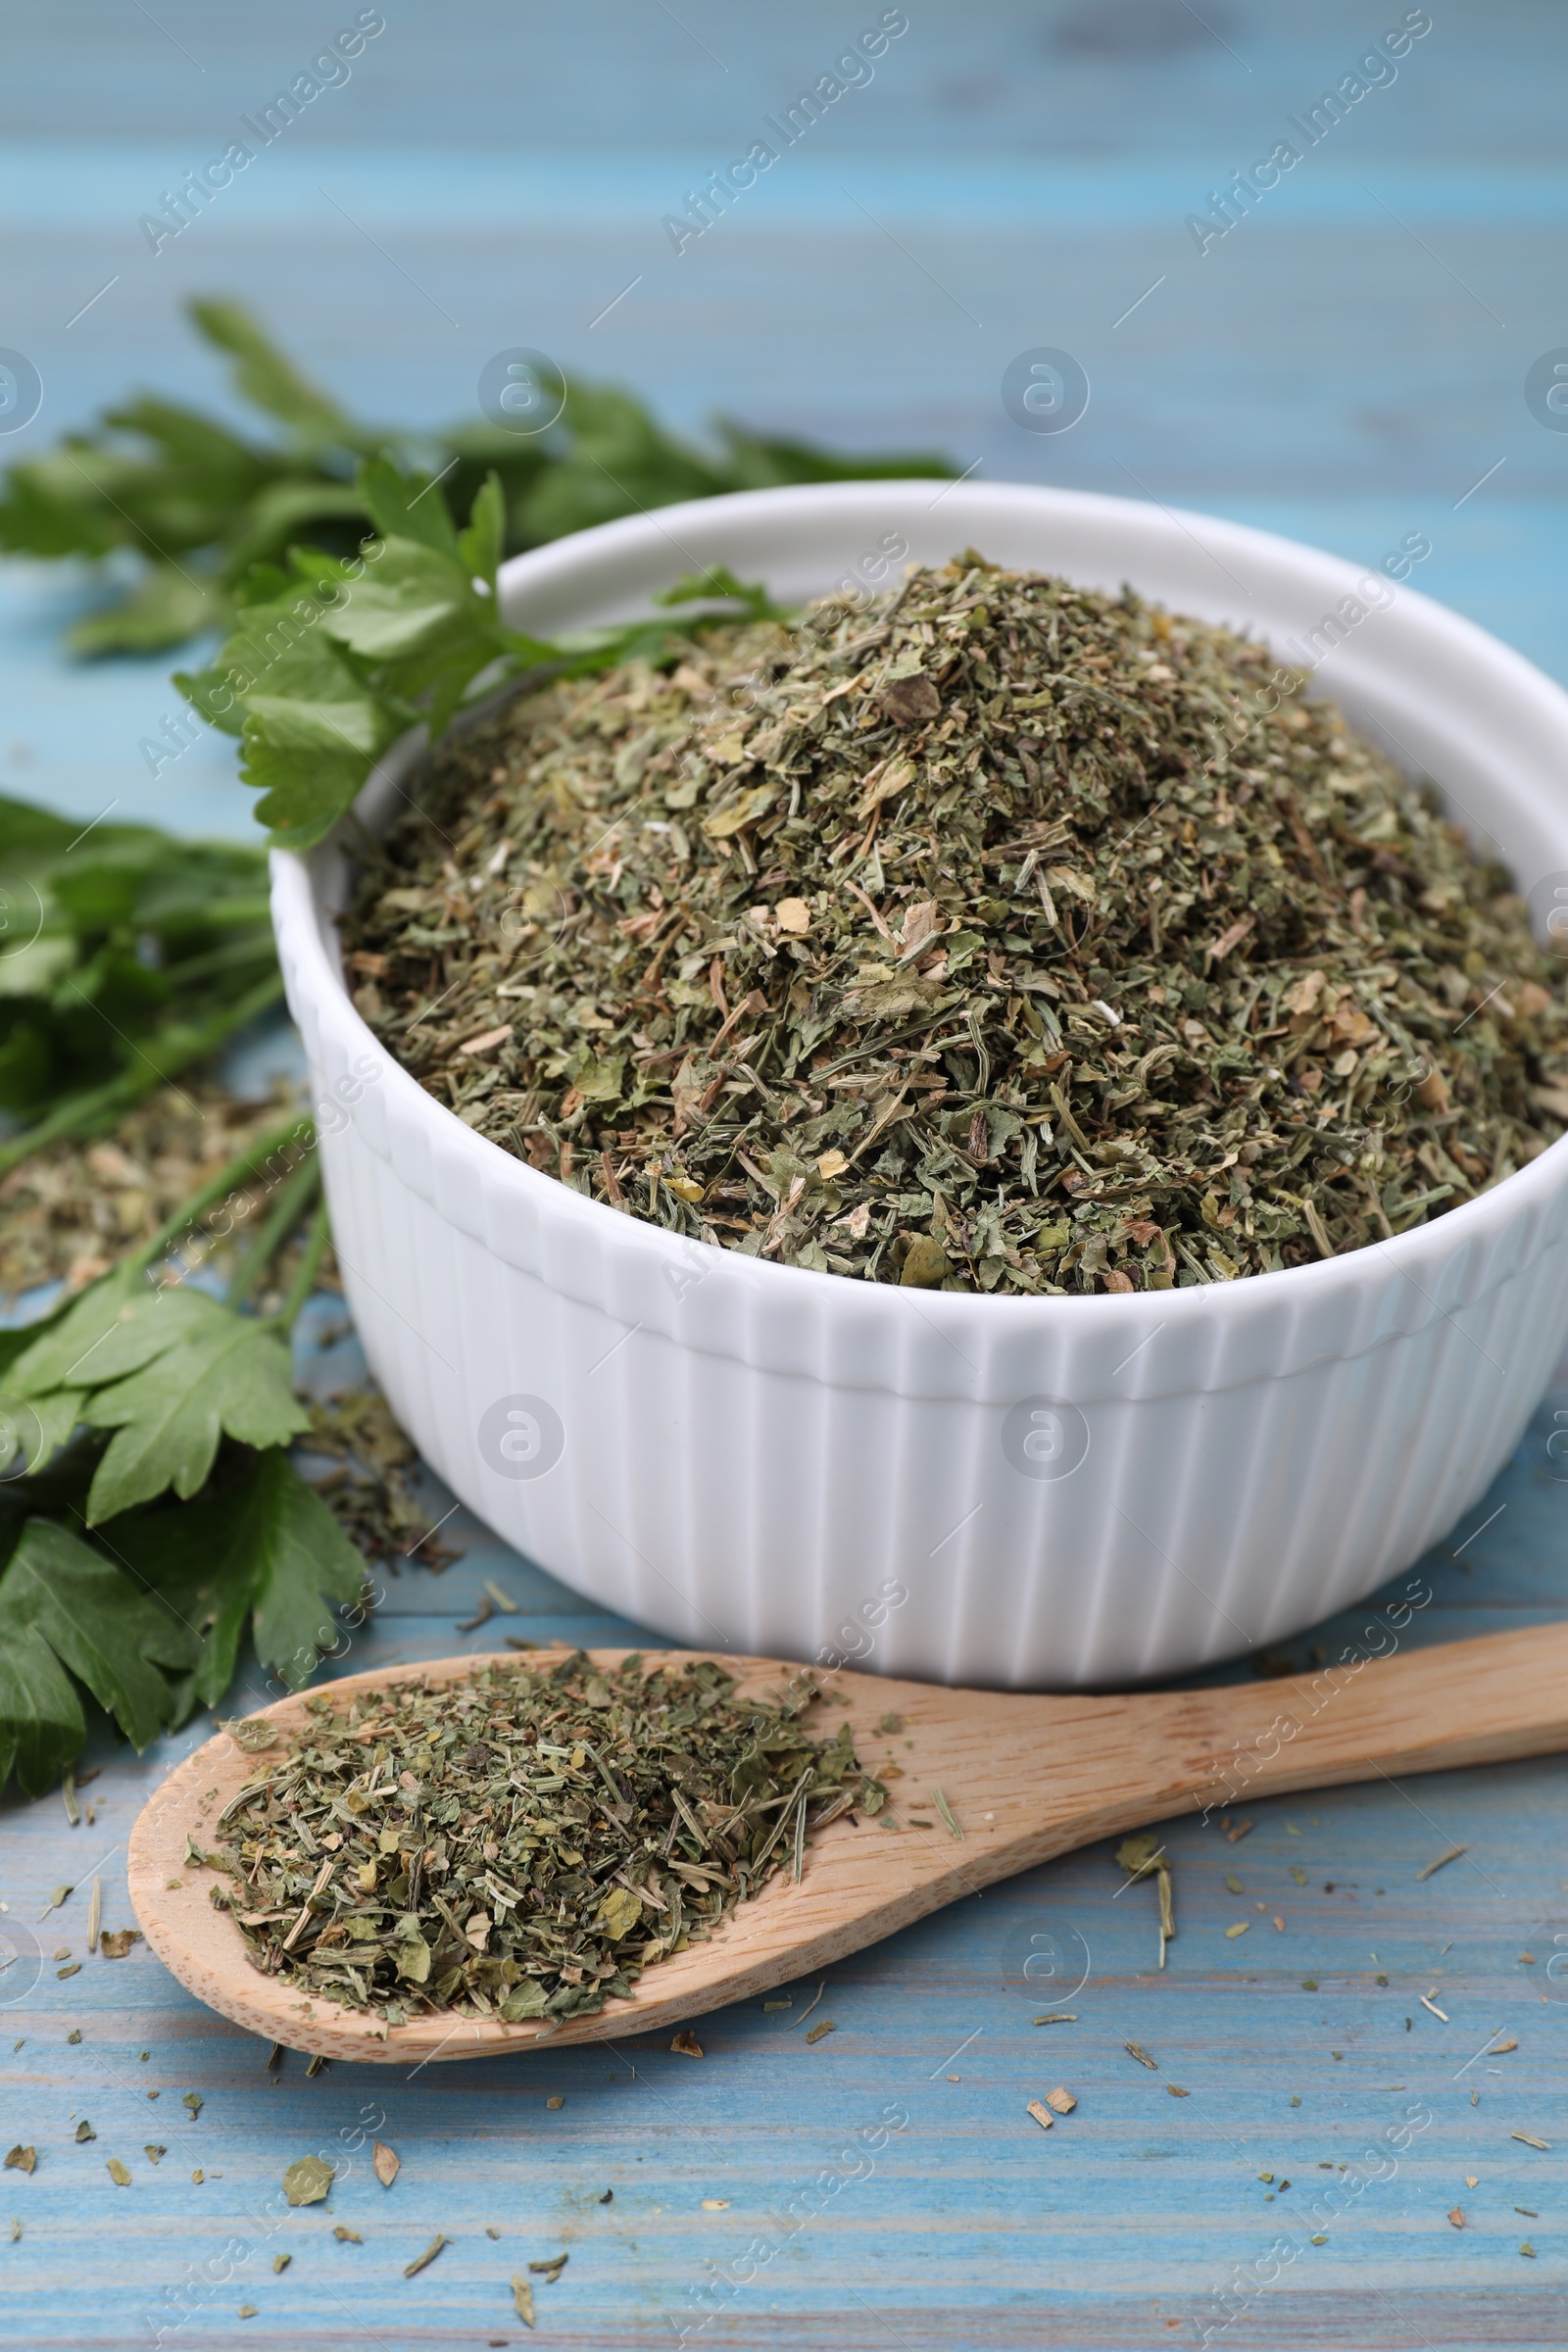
x,y
1346,365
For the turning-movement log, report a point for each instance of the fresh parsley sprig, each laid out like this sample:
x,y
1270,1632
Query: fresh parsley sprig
x,y
333,657
126,956
149,1509
195,505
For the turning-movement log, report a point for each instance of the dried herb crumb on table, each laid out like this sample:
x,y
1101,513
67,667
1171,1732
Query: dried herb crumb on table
x,y
71,1209
967,940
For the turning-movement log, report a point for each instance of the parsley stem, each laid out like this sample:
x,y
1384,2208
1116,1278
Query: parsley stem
x,y
299,1290
294,1192
249,946
297,1129
94,1108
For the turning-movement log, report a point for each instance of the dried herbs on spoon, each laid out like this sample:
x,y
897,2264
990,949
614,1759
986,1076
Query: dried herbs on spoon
x,y
1000,935
522,1843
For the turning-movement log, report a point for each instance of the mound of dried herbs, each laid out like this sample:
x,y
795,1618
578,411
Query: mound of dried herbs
x,y
997,934
522,1843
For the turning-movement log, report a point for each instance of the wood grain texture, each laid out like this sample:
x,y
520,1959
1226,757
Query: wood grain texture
x,y
1026,1780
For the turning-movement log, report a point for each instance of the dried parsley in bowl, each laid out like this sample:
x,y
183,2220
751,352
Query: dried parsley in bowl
x,y
524,1841
996,935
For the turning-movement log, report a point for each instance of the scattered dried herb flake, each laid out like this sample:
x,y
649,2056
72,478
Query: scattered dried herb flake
x,y
308,2179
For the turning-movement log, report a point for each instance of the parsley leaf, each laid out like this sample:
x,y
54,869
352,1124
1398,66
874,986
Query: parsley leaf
x,y
67,1611
173,1374
263,1543
264,376
144,1391
334,659
132,954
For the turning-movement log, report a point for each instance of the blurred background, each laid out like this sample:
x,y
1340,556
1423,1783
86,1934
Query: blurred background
x,y
1346,364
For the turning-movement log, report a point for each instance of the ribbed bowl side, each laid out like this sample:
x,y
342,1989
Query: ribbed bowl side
x,y
724,1503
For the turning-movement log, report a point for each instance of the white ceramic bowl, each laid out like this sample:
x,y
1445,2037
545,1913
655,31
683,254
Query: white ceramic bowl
x,y
1013,1491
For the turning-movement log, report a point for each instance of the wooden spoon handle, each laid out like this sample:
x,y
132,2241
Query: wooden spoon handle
x,y
1485,1701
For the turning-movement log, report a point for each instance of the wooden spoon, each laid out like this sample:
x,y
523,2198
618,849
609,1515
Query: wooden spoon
x,y
1024,1778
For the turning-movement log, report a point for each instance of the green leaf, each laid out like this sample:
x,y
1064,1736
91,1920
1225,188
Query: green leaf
x,y
308,2179
304,1554
93,1108
720,581
35,969
312,729
202,448
308,762
264,1542
526,1999
415,599
161,480
482,544
210,693
157,479
60,1354
420,628
42,1728
599,1081
283,648
319,683
413,1958
276,515
263,375
112,937
165,608
26,1065
29,833
617,1913
38,1429
63,1605
407,507
170,1371
49,509
200,1557
183,1372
